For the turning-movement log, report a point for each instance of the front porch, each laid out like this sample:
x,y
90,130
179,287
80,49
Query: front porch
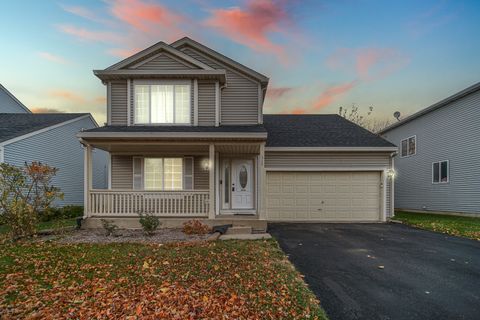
x,y
218,182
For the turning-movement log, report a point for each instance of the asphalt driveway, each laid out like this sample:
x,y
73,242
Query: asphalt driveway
x,y
425,275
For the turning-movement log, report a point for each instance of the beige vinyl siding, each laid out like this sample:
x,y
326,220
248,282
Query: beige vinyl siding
x,y
328,160
165,62
200,178
118,103
206,103
122,173
132,102
304,160
239,99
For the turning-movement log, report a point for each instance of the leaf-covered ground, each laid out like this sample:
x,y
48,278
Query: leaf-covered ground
x,y
453,225
214,280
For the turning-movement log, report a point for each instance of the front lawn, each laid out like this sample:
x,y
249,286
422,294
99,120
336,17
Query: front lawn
x,y
453,225
207,280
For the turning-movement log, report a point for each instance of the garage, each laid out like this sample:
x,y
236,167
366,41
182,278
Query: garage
x,y
323,196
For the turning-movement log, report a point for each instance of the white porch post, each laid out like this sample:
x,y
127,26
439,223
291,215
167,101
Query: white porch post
x,y
211,180
261,182
87,179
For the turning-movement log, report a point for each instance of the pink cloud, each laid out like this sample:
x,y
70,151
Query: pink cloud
x,y
368,64
333,93
89,35
45,110
149,17
376,63
298,111
66,95
52,57
100,100
278,92
122,53
83,13
251,26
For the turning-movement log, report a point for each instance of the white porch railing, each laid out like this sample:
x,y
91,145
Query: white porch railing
x,y
159,203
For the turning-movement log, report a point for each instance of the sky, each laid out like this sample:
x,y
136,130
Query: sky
x,y
319,55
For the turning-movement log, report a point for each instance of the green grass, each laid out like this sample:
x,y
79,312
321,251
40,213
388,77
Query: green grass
x,y
47,225
453,225
205,280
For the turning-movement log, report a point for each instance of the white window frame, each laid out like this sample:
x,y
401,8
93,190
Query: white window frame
x,y
440,172
163,174
162,82
408,145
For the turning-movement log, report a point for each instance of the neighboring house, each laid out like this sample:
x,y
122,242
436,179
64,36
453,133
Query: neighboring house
x,y
187,137
437,165
50,139
9,103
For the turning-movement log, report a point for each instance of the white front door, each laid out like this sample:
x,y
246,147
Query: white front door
x,y
242,184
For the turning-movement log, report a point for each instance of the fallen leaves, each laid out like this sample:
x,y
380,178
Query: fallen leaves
x,y
227,280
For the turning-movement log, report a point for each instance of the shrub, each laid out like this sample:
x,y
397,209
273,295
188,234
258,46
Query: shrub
x,y
109,226
66,212
195,227
25,193
149,223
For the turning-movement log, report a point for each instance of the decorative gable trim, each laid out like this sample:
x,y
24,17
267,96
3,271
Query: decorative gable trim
x,y
157,48
155,56
179,44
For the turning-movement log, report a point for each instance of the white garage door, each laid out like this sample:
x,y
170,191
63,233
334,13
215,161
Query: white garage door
x,y
327,196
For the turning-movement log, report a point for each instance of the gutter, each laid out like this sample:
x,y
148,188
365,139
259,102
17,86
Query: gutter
x,y
327,149
170,135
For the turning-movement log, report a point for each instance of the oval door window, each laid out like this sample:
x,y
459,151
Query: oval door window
x,y
243,177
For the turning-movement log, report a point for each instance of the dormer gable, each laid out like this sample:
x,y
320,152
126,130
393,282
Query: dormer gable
x,y
159,53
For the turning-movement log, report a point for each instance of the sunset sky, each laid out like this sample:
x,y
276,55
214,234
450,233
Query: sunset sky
x,y
319,55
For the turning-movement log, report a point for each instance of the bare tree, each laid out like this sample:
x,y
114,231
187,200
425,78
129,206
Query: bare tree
x,y
365,120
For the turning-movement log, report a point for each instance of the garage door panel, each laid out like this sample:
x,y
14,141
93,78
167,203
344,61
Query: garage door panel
x,y
342,196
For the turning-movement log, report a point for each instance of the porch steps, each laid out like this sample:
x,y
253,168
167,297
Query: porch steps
x,y
239,230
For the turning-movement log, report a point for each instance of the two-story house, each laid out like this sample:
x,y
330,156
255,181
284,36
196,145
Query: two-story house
x,y
187,137
437,164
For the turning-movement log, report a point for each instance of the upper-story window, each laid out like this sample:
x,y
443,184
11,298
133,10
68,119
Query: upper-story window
x,y
409,146
162,103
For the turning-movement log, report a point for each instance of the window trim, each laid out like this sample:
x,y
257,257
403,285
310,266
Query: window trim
x,y
161,82
163,174
408,144
440,172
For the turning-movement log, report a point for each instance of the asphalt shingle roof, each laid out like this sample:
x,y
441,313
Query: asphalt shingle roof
x,y
13,125
323,130
318,130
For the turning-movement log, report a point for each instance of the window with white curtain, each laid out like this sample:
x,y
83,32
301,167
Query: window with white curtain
x,y
162,103
163,173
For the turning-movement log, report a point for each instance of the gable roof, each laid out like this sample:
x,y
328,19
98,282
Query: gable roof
x,y
228,61
8,94
319,131
13,125
153,50
440,104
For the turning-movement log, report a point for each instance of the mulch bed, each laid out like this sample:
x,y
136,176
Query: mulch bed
x,y
128,235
